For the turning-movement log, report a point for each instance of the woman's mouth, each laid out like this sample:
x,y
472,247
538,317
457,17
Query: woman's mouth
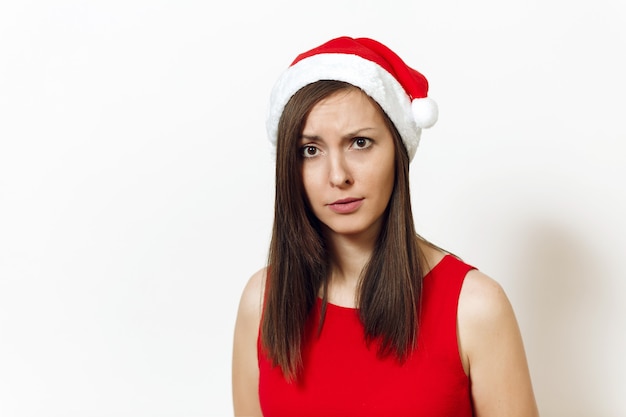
x,y
346,205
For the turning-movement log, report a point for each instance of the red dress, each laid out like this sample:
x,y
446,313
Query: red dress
x,y
343,377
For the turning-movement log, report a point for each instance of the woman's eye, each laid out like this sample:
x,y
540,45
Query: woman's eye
x,y
309,151
362,143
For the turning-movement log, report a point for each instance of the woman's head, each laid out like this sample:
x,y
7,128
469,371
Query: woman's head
x,y
331,129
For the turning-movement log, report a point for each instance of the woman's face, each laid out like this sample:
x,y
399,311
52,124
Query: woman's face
x,y
348,163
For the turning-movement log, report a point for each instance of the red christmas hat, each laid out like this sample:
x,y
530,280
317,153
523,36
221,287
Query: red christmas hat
x,y
401,91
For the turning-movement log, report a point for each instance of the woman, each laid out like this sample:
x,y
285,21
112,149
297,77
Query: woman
x,y
356,315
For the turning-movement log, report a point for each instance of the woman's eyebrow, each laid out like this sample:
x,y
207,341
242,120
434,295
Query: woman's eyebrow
x,y
350,135
358,132
314,138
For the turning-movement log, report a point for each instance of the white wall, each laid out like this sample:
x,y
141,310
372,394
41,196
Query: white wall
x,y
136,186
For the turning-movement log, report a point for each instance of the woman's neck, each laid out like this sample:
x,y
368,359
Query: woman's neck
x,y
350,255
348,260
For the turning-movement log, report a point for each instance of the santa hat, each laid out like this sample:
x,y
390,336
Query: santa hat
x,y
401,91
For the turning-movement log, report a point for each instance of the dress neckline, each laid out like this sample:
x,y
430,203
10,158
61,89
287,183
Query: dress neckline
x,y
338,307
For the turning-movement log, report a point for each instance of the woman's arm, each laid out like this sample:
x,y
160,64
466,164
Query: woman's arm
x,y
492,350
245,376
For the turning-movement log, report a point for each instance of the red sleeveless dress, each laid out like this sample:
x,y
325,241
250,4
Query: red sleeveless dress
x,y
343,377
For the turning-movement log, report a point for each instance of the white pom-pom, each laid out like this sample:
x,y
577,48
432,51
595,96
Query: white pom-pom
x,y
425,112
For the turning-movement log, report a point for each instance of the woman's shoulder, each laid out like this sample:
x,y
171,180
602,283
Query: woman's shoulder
x,y
251,302
248,321
245,371
482,297
492,350
485,317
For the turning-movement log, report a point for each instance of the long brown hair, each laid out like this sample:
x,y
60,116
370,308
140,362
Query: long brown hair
x,y
299,263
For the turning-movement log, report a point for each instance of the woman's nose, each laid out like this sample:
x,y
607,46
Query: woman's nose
x,y
340,174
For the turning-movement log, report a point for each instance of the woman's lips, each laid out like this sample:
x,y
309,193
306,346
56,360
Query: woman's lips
x,y
346,205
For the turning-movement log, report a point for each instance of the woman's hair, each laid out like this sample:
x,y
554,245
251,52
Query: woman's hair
x,y
390,286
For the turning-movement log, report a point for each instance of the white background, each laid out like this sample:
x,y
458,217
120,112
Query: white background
x,y
136,186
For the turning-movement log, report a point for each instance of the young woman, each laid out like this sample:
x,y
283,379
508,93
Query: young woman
x,y
356,314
